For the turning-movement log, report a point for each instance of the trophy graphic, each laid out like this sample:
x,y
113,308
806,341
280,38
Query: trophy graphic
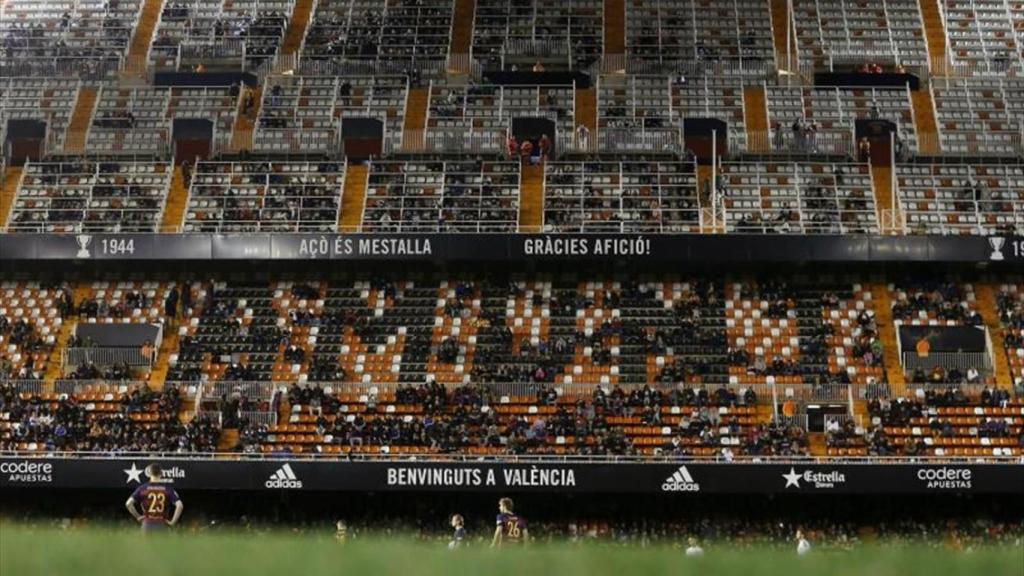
x,y
83,245
997,248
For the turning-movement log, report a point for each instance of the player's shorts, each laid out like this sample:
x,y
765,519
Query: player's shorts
x,y
153,527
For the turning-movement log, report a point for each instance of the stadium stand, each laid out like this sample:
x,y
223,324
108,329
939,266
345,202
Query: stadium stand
x,y
983,199
975,118
51,100
302,113
103,417
31,317
476,118
559,33
264,197
981,37
85,39
621,197
405,31
242,34
822,120
842,32
735,34
75,195
424,196
798,198
1011,316
365,357
938,422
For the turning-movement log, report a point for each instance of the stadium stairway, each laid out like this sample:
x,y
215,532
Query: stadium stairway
x,y
887,332
780,21
81,120
228,440
531,199
10,190
889,217
860,410
241,132
586,113
755,118
935,36
296,31
924,122
168,346
414,127
989,310
138,52
462,36
55,364
177,203
817,444
353,198
709,225
615,30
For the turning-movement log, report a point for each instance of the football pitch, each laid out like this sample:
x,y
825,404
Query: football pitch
x,y
28,551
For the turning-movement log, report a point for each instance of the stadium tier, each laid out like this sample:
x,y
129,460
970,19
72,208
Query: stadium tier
x,y
637,268
548,365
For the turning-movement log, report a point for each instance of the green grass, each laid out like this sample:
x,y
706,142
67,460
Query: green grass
x,y
108,552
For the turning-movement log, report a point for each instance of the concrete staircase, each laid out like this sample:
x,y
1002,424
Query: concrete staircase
x,y
353,198
615,27
925,123
415,124
781,20
586,114
989,310
81,120
296,31
755,117
138,53
462,36
9,192
709,224
177,204
228,440
887,332
168,346
935,36
889,216
817,444
242,131
531,199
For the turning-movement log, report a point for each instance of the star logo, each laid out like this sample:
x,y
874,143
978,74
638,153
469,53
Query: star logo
x,y
134,474
792,479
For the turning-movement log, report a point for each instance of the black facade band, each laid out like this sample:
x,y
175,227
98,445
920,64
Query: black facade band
x,y
512,248
496,476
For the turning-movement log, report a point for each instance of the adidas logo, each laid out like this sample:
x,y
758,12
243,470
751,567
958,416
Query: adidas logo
x,y
680,481
284,478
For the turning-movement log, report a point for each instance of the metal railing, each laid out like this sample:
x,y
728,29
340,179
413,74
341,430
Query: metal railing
x,y
840,420
259,418
471,139
639,140
961,361
101,356
783,141
810,393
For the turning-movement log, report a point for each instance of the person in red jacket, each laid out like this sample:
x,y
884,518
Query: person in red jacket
x,y
513,146
545,147
526,150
